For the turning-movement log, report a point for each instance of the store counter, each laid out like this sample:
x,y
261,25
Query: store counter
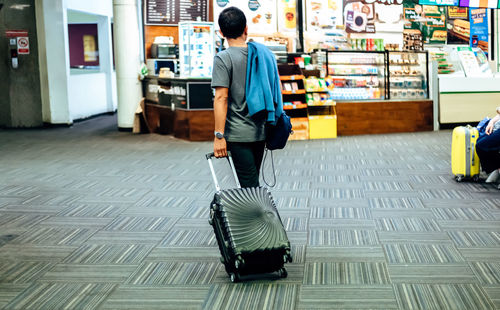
x,y
467,99
180,106
384,116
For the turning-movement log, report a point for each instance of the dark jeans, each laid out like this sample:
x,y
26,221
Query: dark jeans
x,y
487,149
247,158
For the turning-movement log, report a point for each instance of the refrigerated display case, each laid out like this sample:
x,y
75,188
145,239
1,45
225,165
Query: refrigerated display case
x,y
357,75
408,75
196,49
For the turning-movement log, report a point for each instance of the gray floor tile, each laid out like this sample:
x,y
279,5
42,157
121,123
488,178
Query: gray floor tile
x,y
27,252
8,291
422,253
167,273
480,254
41,296
435,274
442,296
347,297
167,297
344,273
251,296
78,273
345,254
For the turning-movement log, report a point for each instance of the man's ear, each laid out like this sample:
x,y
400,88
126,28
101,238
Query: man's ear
x,y
246,30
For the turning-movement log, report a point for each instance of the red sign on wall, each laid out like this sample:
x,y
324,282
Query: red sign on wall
x,y
16,33
23,46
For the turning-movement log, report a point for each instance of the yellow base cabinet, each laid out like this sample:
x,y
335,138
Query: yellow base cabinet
x,y
322,126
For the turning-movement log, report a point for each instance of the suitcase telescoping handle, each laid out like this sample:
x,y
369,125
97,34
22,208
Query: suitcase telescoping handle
x,y
209,157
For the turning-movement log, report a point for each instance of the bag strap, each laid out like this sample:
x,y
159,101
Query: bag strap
x,y
262,168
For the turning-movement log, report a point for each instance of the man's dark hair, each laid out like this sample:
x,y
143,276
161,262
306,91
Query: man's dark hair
x,y
232,22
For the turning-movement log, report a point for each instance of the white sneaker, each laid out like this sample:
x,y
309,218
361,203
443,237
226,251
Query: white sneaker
x,y
493,177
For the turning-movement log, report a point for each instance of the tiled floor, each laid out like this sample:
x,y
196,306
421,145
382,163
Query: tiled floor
x,y
93,218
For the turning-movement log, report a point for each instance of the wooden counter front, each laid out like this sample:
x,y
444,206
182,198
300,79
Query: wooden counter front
x,y
190,125
384,116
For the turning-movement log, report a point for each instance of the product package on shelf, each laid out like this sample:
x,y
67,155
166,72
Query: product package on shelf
x,y
300,127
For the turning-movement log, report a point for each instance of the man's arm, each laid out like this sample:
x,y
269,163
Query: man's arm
x,y
220,113
491,124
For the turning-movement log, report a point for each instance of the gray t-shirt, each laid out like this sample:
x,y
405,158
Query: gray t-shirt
x,y
230,70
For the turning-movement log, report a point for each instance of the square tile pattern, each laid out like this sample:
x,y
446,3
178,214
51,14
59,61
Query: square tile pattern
x,y
93,218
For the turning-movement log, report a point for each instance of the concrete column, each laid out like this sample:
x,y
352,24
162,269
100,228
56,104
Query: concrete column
x,y
127,60
20,102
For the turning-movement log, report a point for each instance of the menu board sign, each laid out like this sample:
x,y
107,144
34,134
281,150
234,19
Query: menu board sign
x,y
261,15
458,25
429,20
171,12
323,14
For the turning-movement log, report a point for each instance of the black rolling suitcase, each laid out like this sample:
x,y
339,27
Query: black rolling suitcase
x,y
248,228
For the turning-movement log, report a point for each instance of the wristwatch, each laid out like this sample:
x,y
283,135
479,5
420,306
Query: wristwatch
x,y
218,135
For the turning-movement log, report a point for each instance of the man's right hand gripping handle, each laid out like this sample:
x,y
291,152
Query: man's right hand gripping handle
x,y
220,147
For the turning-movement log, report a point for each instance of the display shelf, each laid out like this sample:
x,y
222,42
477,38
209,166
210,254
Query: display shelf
x,y
316,104
357,75
355,64
408,75
291,77
294,106
293,92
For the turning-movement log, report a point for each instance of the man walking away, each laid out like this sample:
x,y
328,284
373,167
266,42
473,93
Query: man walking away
x,y
238,127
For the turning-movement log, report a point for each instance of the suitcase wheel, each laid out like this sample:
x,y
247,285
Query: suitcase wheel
x,y
287,258
235,277
282,273
239,262
475,178
459,178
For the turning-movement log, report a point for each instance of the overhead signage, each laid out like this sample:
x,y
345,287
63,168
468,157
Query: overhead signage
x,y
261,14
323,15
359,16
171,12
491,4
439,2
458,25
479,29
429,20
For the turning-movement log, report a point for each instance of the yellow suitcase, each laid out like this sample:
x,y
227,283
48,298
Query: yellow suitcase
x,y
464,159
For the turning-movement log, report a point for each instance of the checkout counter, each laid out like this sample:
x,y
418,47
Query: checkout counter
x,y
179,106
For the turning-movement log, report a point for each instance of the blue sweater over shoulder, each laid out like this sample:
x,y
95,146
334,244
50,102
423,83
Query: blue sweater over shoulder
x,y
263,88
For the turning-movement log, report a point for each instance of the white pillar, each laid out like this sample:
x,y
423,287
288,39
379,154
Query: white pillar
x,y
106,57
52,35
127,60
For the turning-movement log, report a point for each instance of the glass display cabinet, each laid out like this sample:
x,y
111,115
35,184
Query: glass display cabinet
x,y
408,75
357,75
